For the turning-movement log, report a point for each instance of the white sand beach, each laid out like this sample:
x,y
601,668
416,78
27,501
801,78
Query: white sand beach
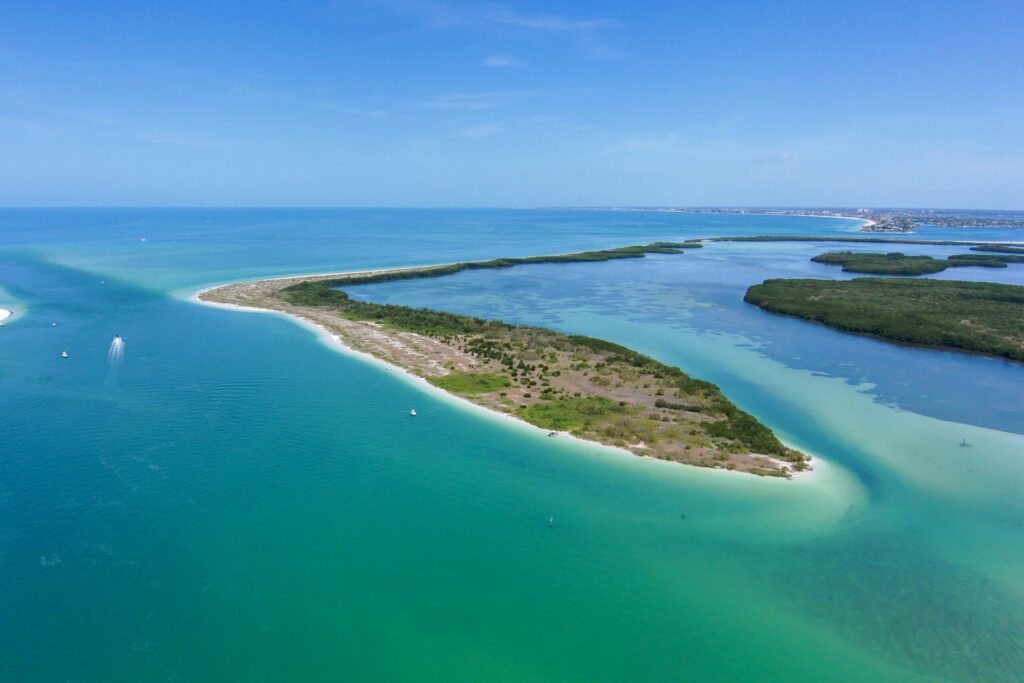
x,y
334,341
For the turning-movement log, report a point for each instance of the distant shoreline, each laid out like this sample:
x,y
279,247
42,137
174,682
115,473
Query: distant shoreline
x,y
887,220
797,213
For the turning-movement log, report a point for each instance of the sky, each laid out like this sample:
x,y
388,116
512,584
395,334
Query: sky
x,y
509,104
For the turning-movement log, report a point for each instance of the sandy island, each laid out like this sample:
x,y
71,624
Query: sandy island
x,y
538,377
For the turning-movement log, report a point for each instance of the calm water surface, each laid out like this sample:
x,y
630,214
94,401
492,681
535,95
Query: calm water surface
x,y
234,500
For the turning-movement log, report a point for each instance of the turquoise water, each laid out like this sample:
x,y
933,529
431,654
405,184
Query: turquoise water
x,y
235,500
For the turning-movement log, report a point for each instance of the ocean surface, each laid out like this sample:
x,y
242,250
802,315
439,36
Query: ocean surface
x,y
229,498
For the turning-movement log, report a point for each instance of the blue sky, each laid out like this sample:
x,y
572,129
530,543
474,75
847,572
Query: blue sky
x,y
436,103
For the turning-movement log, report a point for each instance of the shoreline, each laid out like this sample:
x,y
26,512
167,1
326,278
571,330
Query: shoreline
x,y
902,341
905,221
866,223
325,332
334,342
860,240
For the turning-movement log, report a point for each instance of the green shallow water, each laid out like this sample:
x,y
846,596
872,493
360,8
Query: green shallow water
x,y
236,500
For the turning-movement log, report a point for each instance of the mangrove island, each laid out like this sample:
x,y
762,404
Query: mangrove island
x,y
897,263
977,317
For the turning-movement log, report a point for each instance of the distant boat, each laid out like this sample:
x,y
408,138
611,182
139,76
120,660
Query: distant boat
x,y
412,412
63,354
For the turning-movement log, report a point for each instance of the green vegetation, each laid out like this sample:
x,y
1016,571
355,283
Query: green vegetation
x,y
421,321
977,317
999,248
569,382
569,414
988,259
894,263
471,382
635,251
897,263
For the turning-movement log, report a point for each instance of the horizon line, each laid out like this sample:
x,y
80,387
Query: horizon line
x,y
581,207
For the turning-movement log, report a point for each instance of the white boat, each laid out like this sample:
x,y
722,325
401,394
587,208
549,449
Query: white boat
x,y
63,354
412,412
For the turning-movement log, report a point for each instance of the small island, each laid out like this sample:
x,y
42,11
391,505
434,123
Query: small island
x,y
977,317
590,388
897,263
999,248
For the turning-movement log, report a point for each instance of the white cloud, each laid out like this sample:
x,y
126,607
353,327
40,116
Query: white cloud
x,y
430,12
85,116
483,130
501,60
248,92
643,142
354,110
476,100
27,126
772,159
176,138
476,16
544,22
586,33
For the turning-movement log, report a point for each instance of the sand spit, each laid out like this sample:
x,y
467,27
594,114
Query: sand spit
x,y
424,358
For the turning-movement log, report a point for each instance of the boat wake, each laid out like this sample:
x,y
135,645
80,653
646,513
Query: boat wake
x,y
115,354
